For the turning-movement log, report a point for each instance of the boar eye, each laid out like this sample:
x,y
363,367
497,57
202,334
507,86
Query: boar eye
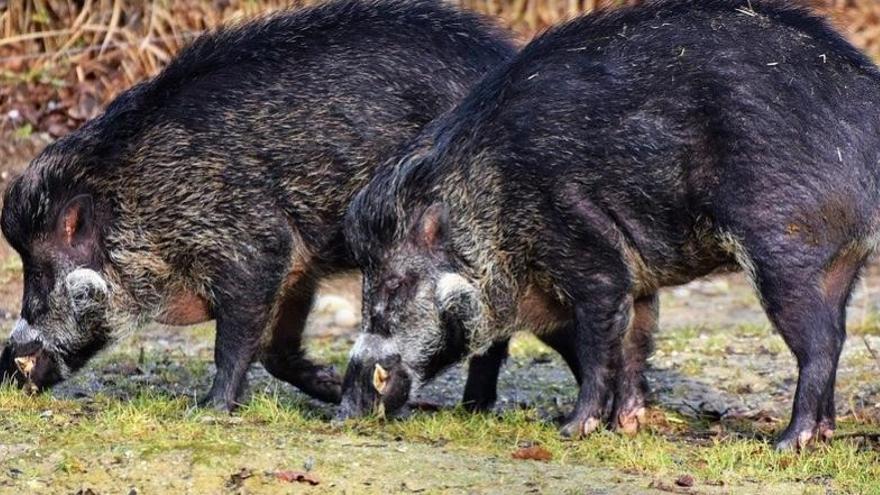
x,y
393,283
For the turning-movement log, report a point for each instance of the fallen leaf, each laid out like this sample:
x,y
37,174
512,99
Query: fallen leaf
x,y
300,476
534,453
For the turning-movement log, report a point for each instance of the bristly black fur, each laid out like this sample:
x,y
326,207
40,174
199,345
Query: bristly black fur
x,y
222,181
634,149
375,211
245,54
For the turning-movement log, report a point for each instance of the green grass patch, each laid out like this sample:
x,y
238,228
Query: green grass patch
x,y
10,268
150,427
869,324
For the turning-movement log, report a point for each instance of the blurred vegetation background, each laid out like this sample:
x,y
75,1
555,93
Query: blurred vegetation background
x,y
61,60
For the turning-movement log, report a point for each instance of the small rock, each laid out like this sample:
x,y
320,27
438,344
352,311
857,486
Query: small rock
x,y
345,318
685,480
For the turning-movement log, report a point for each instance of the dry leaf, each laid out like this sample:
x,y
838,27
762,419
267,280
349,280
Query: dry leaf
x,y
300,476
534,453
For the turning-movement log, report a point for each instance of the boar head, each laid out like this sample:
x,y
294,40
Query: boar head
x,y
418,315
56,231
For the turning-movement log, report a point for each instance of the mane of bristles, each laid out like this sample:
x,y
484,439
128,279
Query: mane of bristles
x,y
605,24
389,205
232,53
385,209
344,21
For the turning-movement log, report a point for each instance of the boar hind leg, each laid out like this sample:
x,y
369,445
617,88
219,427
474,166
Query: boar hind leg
x,y
481,388
836,286
284,356
810,315
631,387
244,296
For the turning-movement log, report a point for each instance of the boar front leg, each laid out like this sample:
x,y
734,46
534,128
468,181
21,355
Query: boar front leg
x,y
587,264
601,320
284,356
481,388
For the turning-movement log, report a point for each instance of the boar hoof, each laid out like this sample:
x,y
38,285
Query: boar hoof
x,y
826,430
218,404
478,405
329,392
794,441
629,422
579,428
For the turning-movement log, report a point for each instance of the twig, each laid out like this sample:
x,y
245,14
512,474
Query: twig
x,y
34,36
111,29
870,350
94,48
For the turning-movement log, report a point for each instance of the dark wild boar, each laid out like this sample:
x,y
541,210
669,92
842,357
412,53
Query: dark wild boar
x,y
617,154
217,189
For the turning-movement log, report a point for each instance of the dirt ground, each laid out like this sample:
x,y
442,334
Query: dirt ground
x,y
717,362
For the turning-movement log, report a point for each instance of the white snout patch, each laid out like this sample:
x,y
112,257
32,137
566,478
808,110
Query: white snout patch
x,y
23,332
372,346
87,290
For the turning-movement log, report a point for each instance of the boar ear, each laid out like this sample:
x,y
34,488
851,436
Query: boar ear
x,y
432,229
76,223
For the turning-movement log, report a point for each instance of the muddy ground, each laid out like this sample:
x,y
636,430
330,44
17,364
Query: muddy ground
x,y
717,362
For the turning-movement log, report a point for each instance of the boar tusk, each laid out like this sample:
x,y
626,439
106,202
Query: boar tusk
x,y
380,379
26,364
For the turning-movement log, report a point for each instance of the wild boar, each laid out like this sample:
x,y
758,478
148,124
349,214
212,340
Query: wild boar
x,y
217,189
616,154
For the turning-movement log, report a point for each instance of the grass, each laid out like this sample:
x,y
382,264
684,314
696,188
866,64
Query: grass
x,y
108,438
10,269
143,431
77,438
868,324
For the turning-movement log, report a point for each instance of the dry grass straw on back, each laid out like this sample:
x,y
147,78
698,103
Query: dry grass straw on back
x,y
79,54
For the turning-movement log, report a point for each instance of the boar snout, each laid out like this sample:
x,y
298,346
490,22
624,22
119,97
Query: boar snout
x,y
8,370
18,353
29,365
374,385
